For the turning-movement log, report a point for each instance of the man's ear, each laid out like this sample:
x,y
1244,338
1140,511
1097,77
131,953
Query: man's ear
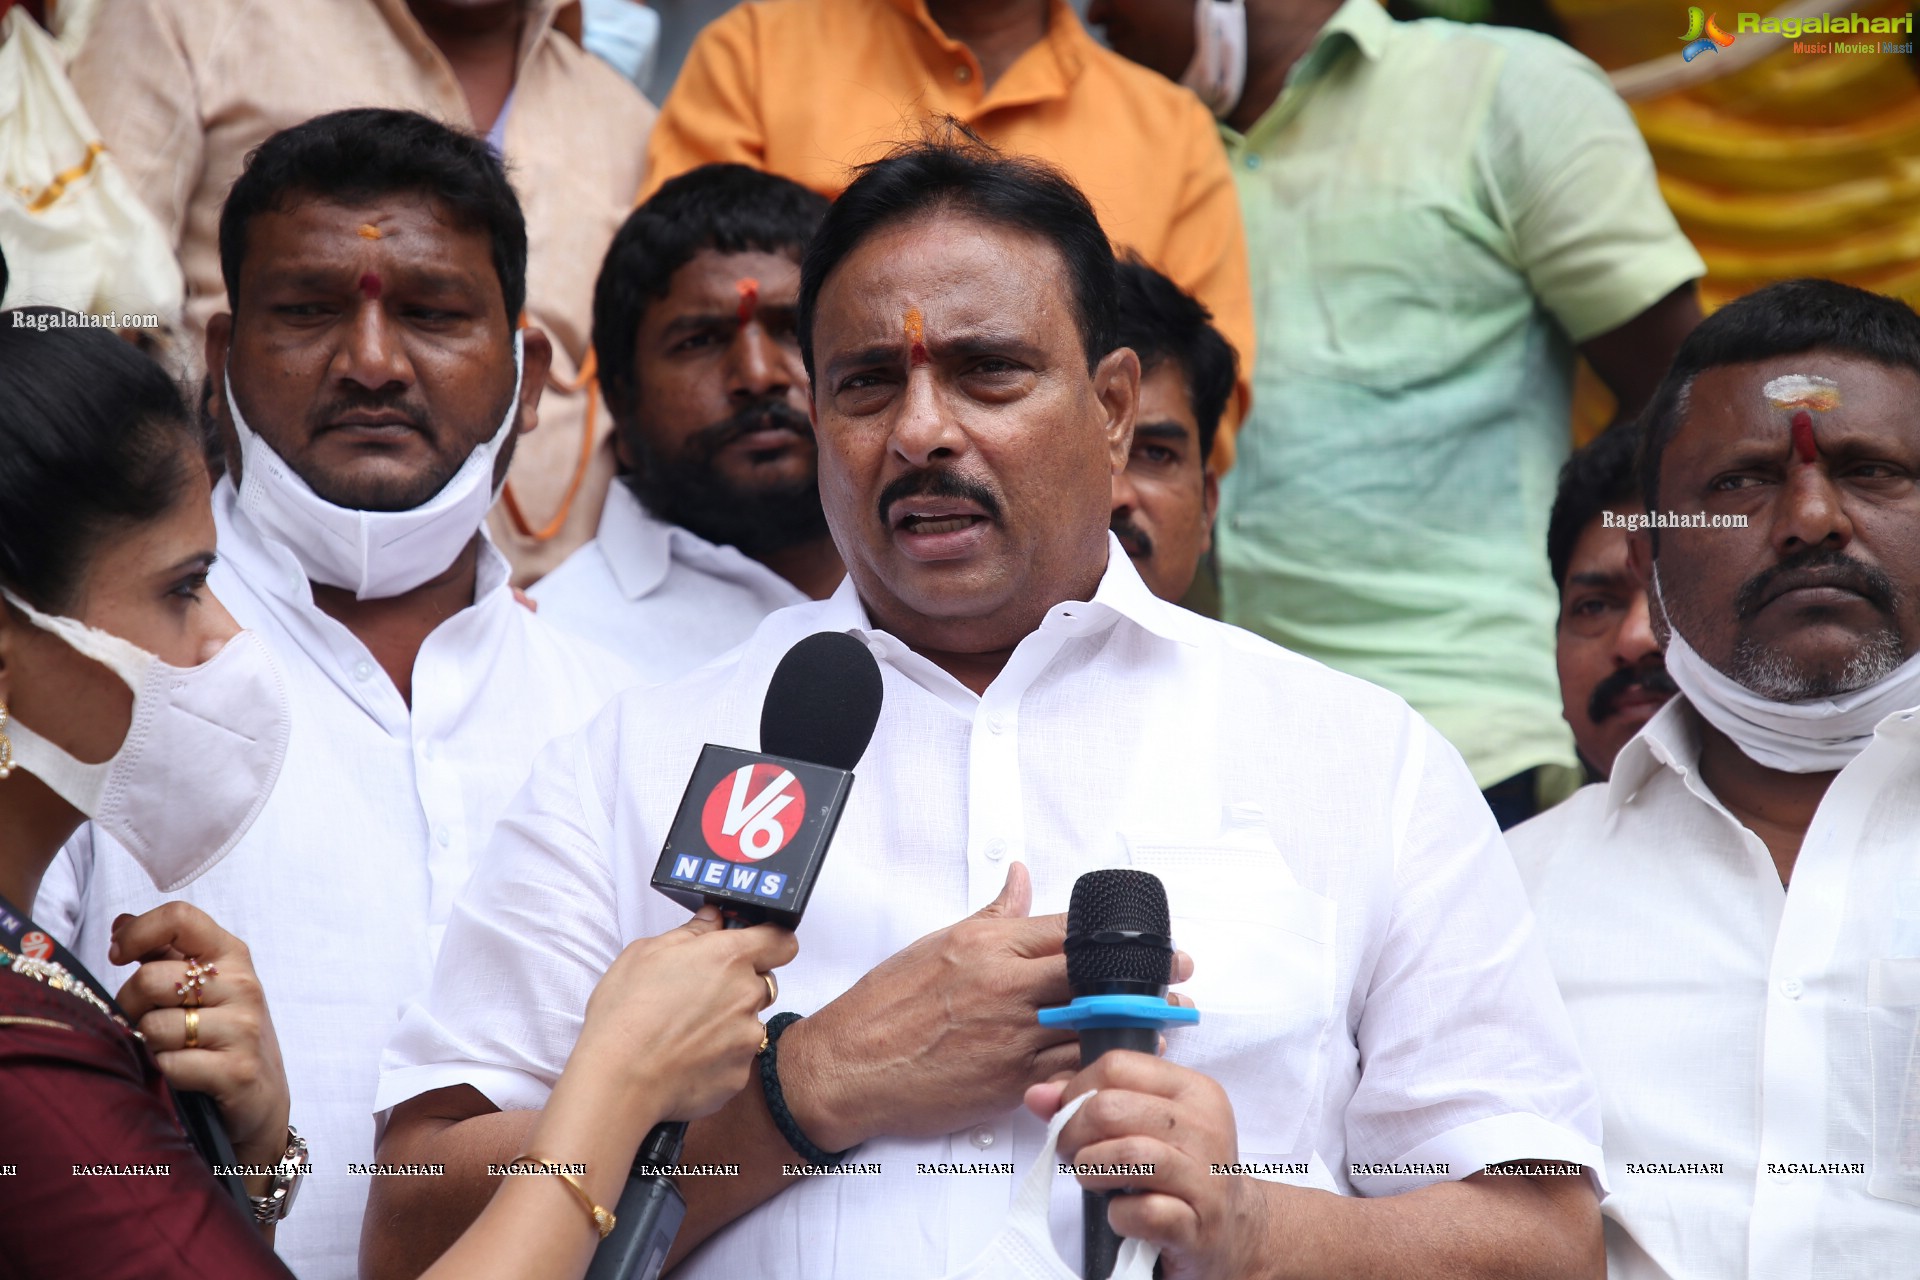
x,y
537,358
1210,499
219,344
1116,384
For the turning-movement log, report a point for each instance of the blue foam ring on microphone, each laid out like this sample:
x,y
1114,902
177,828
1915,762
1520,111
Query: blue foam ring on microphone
x,y
1119,1011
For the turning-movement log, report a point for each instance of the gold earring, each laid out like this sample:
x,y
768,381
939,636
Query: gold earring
x,y
6,746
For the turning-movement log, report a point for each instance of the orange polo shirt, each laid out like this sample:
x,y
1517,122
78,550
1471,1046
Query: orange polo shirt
x,y
809,88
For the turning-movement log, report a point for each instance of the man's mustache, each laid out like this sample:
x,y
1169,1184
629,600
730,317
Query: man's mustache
x,y
1134,540
767,415
939,483
373,402
1604,703
1842,570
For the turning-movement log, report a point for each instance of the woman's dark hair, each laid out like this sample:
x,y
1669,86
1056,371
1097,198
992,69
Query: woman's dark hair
x,y
728,208
359,154
93,437
961,173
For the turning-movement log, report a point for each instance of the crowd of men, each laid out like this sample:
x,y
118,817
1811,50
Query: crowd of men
x,y
991,344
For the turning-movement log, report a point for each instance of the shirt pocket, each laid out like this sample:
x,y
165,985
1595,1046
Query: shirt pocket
x,y
1893,1025
1387,300
1263,954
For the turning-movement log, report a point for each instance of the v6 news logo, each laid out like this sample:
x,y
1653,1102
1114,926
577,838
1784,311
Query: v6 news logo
x,y
753,812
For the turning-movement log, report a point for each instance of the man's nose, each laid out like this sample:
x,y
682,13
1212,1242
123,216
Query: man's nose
x,y
757,367
1809,512
1635,641
371,352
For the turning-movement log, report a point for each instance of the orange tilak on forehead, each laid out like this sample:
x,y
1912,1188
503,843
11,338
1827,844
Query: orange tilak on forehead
x,y
749,290
916,332
370,232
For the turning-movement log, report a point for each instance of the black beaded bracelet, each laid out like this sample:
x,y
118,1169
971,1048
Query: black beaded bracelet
x,y
777,1102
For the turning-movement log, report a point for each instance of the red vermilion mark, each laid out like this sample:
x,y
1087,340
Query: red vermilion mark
x,y
1803,437
749,290
370,286
916,333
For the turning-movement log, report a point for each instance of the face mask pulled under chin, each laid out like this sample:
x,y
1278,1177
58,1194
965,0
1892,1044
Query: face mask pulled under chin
x,y
1218,72
374,554
1816,736
200,758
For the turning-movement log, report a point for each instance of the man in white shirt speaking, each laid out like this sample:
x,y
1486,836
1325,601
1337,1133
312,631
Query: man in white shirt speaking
x,y
1376,1014
370,382
717,521
1734,916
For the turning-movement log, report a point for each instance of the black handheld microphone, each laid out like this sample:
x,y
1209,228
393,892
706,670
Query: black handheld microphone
x,y
1119,961
750,837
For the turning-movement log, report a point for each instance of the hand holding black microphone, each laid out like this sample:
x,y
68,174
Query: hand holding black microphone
x,y
749,838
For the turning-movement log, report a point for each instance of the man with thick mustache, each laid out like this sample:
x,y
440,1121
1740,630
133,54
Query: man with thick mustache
x,y
718,521
1735,916
1377,1017
1612,675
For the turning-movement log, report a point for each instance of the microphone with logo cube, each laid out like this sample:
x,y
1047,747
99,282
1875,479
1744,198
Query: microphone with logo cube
x,y
750,837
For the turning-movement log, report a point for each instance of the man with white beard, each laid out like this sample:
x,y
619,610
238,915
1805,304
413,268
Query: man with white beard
x,y
1734,917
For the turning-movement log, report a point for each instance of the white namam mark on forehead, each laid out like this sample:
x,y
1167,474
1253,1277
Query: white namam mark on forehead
x,y
1802,391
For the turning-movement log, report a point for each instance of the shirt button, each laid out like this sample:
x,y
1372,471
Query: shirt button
x,y
432,751
363,671
982,1137
996,849
444,836
963,73
1253,162
1791,988
996,723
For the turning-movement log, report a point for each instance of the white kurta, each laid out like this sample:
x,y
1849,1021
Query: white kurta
x,y
1369,982
1757,1048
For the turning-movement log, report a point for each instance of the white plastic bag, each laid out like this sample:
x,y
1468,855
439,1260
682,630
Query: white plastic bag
x,y
74,232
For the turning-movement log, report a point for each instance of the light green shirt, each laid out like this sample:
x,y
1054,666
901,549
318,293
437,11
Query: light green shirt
x,y
1436,214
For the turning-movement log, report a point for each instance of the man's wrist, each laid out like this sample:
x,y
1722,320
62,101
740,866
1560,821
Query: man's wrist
x,y
806,1080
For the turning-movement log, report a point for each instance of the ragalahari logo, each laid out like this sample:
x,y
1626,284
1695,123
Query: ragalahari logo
x,y
1703,34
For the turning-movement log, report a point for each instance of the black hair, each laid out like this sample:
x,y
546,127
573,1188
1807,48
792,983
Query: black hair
x,y
1780,320
728,208
360,154
93,436
1598,477
1162,322
957,171
4,276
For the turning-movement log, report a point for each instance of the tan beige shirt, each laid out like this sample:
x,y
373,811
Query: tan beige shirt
x,y
182,89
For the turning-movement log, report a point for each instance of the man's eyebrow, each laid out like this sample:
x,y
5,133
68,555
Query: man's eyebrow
x,y
879,353
343,279
1161,429
695,321
1590,578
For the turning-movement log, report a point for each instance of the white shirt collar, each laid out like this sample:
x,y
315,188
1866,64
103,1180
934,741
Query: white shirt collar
x,y
640,549
1122,596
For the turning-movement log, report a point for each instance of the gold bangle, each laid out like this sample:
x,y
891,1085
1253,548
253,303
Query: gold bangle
x,y
603,1221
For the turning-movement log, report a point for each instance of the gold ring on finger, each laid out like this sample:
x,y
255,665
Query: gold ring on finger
x,y
193,1029
773,989
763,1037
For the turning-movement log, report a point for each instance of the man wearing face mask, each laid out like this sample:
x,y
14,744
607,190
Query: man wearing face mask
x,y
1734,917
718,521
370,383
1440,216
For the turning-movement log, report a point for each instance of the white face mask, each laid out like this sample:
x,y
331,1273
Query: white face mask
x,y
1024,1248
1817,736
201,754
1218,72
374,554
